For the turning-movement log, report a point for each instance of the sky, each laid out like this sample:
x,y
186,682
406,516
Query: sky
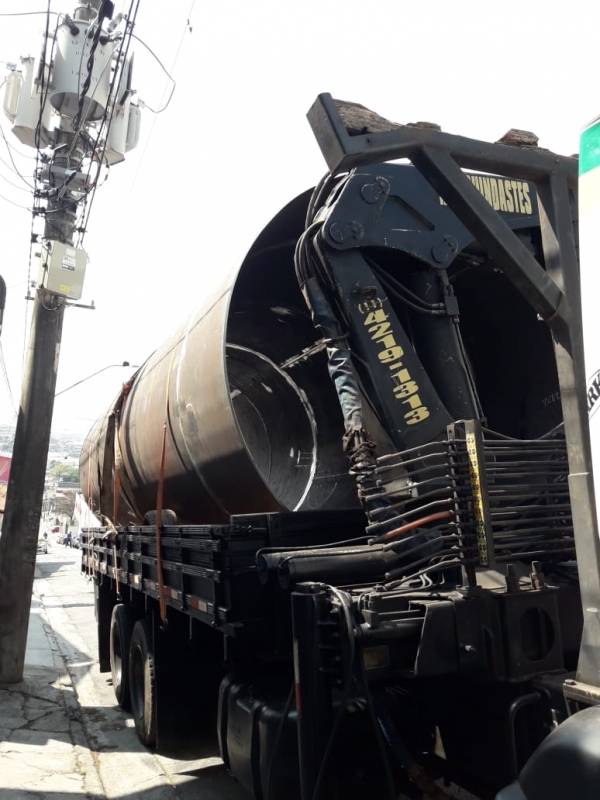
x,y
233,146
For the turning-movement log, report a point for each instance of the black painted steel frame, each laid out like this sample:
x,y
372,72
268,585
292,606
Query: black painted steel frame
x,y
350,136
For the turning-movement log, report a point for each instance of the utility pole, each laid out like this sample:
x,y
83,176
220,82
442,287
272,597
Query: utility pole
x,y
83,121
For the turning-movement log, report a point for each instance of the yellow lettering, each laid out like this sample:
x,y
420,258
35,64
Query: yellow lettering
x,y
414,401
391,354
515,188
402,376
377,331
528,206
501,196
477,500
520,197
389,341
416,415
376,316
510,206
494,190
406,389
487,192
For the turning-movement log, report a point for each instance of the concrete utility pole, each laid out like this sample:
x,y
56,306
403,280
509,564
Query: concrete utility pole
x,y
88,116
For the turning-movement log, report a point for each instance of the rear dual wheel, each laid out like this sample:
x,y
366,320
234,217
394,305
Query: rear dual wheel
x,y
133,669
142,682
122,622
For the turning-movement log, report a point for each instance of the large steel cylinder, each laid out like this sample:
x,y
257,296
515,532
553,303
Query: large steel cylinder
x,y
253,422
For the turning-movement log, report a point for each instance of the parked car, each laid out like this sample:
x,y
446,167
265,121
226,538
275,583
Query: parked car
x,y
42,546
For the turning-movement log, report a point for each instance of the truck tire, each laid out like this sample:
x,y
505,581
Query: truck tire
x,y
167,517
142,682
121,628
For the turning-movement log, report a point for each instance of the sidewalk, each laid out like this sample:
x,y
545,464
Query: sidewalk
x,y
44,754
62,735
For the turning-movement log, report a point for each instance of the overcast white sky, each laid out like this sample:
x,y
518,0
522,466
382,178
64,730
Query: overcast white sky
x,y
234,145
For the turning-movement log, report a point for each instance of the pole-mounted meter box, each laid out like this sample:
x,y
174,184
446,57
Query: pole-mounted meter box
x,y
62,269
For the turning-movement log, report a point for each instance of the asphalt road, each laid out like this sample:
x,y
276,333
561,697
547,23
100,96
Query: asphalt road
x,y
127,769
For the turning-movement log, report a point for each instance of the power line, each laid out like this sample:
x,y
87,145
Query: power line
x,y
164,69
36,203
12,202
28,14
12,148
14,185
185,30
15,172
131,19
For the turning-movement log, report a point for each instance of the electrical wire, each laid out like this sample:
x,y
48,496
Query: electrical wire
x,y
28,14
454,562
14,149
78,119
403,293
187,27
350,629
300,548
12,202
29,188
164,69
45,85
14,185
344,699
121,56
313,203
32,239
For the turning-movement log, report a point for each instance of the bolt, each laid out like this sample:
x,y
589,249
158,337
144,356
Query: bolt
x,y
356,230
443,250
336,233
372,192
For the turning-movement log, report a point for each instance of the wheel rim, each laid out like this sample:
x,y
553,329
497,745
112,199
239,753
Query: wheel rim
x,y
137,683
117,658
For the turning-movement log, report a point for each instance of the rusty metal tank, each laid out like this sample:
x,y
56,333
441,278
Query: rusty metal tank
x,y
253,422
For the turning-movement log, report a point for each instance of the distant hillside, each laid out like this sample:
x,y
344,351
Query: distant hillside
x,y
63,443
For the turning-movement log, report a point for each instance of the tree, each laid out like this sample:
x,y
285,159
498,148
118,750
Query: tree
x,y
63,473
64,503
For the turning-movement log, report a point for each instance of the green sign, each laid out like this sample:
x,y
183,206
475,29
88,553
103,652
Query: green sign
x,y
589,148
